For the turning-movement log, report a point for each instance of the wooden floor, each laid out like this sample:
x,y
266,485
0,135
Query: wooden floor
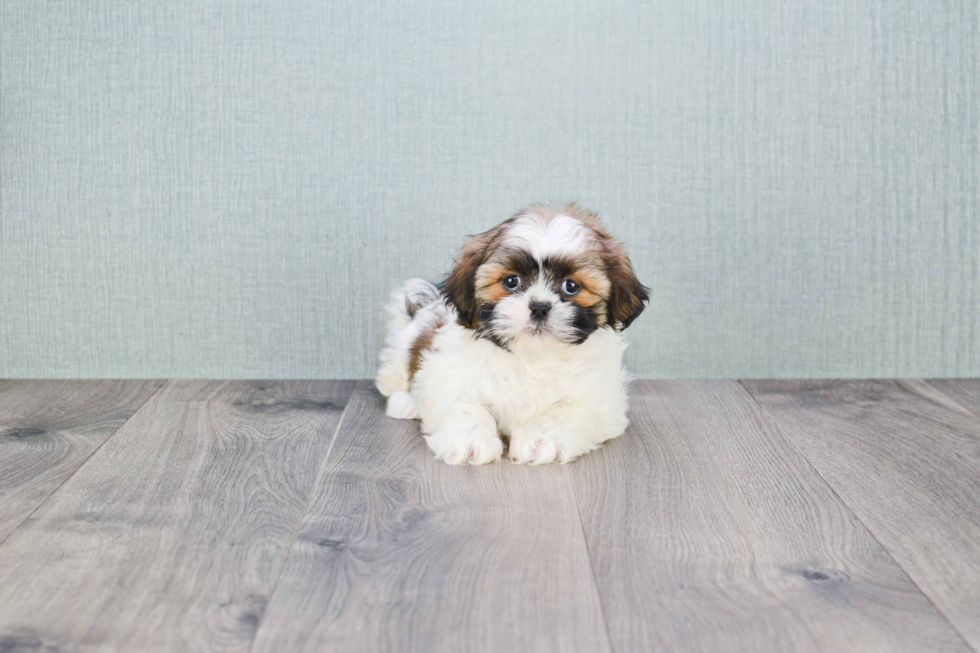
x,y
294,516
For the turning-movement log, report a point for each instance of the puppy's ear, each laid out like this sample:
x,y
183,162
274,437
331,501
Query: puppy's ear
x,y
627,296
460,286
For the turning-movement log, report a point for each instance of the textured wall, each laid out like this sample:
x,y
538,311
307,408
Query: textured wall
x,y
200,189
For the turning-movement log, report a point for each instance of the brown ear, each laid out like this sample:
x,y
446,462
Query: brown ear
x,y
460,286
627,296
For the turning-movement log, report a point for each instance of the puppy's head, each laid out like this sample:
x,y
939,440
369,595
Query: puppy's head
x,y
549,272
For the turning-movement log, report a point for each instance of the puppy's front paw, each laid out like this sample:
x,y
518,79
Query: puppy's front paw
x,y
540,447
467,442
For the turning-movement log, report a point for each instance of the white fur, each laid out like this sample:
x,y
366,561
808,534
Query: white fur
x,y
554,400
561,235
401,405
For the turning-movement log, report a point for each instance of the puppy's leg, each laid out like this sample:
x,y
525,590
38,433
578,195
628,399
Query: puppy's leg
x,y
401,405
467,435
562,435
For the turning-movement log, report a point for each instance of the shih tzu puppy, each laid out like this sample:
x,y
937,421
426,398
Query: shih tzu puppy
x,y
522,340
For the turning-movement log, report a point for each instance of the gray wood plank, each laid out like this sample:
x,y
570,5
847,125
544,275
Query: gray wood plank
x,y
906,459
172,535
48,429
965,392
708,531
399,552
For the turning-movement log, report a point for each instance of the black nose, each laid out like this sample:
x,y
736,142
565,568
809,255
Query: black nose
x,y
539,310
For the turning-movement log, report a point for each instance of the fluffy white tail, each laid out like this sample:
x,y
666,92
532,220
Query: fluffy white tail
x,y
404,326
405,302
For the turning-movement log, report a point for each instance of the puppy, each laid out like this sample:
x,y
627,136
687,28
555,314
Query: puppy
x,y
522,339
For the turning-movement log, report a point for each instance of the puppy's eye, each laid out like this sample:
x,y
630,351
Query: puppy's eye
x,y
570,288
511,282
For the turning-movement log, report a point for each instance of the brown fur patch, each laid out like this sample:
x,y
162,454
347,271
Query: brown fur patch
x,y
488,288
423,343
627,296
460,286
586,299
595,286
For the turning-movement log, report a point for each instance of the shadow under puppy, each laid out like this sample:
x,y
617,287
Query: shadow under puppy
x,y
521,339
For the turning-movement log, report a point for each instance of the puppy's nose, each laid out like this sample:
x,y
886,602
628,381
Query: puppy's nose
x,y
539,310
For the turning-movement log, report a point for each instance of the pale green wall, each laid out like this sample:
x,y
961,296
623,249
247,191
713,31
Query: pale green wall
x,y
197,189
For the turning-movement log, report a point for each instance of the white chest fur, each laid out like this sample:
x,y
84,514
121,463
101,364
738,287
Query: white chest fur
x,y
535,378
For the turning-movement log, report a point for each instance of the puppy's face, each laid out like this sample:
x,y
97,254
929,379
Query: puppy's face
x,y
546,273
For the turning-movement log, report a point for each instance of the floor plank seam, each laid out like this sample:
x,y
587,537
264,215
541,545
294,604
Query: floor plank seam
x,y
299,524
856,516
84,462
932,386
588,554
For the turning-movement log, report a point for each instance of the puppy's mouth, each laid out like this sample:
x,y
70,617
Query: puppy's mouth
x,y
538,328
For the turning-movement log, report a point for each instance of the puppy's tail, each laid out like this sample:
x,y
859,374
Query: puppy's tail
x,y
414,295
394,377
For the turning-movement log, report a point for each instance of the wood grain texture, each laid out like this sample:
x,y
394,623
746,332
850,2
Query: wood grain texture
x,y
399,552
906,459
709,532
171,537
965,392
48,429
